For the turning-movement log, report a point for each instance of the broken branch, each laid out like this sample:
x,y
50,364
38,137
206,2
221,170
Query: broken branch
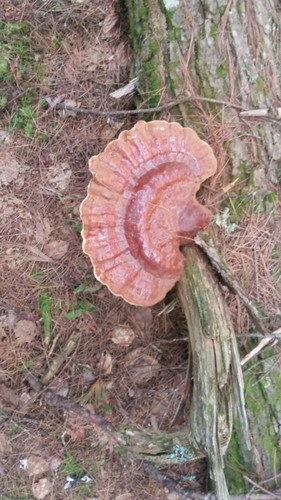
x,y
123,112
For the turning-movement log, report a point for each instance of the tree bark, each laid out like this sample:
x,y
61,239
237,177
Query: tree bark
x,y
226,51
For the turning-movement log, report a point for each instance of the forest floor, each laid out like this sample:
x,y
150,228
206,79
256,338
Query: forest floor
x,y
56,320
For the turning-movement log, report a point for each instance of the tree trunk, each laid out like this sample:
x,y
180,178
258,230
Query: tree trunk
x,y
227,51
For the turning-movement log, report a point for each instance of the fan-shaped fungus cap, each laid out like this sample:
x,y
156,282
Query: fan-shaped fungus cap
x,y
141,206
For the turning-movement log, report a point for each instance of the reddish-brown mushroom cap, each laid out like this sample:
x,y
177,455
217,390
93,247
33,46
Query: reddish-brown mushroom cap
x,y
141,206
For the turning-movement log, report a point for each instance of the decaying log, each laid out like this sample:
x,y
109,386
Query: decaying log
x,y
217,375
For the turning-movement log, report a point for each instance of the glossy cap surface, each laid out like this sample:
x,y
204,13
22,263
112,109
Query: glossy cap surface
x,y
141,206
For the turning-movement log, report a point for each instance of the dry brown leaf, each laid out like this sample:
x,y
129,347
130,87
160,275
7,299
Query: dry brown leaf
x,y
25,400
36,466
143,317
64,113
8,396
105,363
109,22
4,341
59,386
9,168
109,130
5,137
11,206
58,177
91,58
81,2
159,407
42,230
141,366
98,436
124,496
36,255
174,496
120,58
55,463
25,332
95,393
76,435
8,319
42,488
56,249
5,445
122,335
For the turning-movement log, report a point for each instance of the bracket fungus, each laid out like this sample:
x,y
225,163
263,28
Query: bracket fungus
x,y
141,207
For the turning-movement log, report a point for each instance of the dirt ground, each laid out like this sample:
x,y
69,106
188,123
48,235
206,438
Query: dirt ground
x,y
56,320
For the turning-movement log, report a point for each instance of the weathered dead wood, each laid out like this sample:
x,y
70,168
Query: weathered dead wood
x,y
217,375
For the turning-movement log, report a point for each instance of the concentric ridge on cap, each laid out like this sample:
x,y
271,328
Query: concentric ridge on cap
x,y
141,206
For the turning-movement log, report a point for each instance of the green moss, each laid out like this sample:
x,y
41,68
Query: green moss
x,y
18,68
45,314
202,307
278,172
146,46
244,200
263,400
174,34
239,206
39,70
143,11
220,10
269,201
200,296
239,10
4,66
244,169
221,71
262,396
150,81
203,82
153,47
234,470
3,102
24,115
175,76
19,28
169,15
138,22
214,31
259,83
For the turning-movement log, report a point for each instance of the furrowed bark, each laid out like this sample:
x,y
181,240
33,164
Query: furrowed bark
x,y
227,50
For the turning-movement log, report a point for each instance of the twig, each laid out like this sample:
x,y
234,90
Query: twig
x,y
54,400
167,482
230,281
268,340
57,401
168,105
271,495
272,112
58,361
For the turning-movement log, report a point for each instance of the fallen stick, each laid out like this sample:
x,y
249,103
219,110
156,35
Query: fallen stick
x,y
268,340
57,401
156,109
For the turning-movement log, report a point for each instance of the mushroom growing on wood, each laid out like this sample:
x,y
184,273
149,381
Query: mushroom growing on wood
x,y
141,207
